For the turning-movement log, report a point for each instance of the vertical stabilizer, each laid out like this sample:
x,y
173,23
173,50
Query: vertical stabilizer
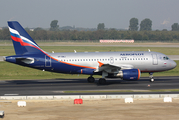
x,y
23,43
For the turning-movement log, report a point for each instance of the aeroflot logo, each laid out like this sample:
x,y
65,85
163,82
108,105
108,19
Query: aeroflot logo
x,y
130,54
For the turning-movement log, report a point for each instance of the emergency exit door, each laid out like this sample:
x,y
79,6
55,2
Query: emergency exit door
x,y
47,61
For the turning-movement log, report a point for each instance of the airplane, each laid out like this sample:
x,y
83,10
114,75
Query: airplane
x,y
125,65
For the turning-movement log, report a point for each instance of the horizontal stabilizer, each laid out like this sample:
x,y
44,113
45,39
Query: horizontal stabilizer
x,y
25,60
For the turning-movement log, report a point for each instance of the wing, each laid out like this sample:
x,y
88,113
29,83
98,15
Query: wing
x,y
112,68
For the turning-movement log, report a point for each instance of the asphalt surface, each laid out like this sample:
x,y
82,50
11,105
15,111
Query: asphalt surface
x,y
58,86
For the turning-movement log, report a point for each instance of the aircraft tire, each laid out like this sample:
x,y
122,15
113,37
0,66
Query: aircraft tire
x,y
151,80
102,81
91,79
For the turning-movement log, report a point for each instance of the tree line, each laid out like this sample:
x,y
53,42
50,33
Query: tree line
x,y
145,33
162,36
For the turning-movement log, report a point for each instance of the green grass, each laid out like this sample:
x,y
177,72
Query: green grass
x,y
9,71
9,50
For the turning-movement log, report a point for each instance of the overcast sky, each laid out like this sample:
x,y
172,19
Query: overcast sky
x,y
88,13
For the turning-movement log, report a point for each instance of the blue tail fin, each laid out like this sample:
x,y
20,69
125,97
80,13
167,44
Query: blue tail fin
x,y
23,43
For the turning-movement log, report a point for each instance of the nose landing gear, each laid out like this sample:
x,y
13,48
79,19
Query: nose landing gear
x,y
151,77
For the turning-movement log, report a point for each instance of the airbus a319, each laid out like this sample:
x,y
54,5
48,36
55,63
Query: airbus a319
x,y
125,65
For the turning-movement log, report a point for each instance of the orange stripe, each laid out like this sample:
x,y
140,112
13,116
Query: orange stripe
x,y
138,74
69,63
100,64
77,65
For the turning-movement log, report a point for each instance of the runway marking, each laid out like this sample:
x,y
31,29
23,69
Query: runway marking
x,y
10,94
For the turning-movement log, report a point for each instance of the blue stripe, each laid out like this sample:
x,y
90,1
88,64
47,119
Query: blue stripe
x,y
15,35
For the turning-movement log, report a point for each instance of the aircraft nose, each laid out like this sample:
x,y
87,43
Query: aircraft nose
x,y
174,64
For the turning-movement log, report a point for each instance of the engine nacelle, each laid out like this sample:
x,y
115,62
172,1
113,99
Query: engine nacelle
x,y
129,74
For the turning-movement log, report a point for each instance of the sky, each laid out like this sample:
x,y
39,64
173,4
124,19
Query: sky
x,y
89,13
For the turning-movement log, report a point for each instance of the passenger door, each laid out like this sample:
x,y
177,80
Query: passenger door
x,y
155,60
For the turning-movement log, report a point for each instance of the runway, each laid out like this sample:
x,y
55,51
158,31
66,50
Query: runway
x,y
58,86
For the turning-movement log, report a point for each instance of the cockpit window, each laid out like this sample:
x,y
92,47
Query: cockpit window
x,y
165,58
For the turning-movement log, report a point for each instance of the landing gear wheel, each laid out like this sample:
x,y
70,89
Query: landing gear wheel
x,y
151,80
91,79
151,77
102,81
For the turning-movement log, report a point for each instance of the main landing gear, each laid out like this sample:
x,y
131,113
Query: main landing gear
x,y
91,79
101,81
151,77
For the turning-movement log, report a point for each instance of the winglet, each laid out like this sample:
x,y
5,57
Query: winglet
x,y
100,64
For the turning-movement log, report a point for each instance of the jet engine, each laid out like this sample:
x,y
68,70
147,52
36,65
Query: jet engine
x,y
129,74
